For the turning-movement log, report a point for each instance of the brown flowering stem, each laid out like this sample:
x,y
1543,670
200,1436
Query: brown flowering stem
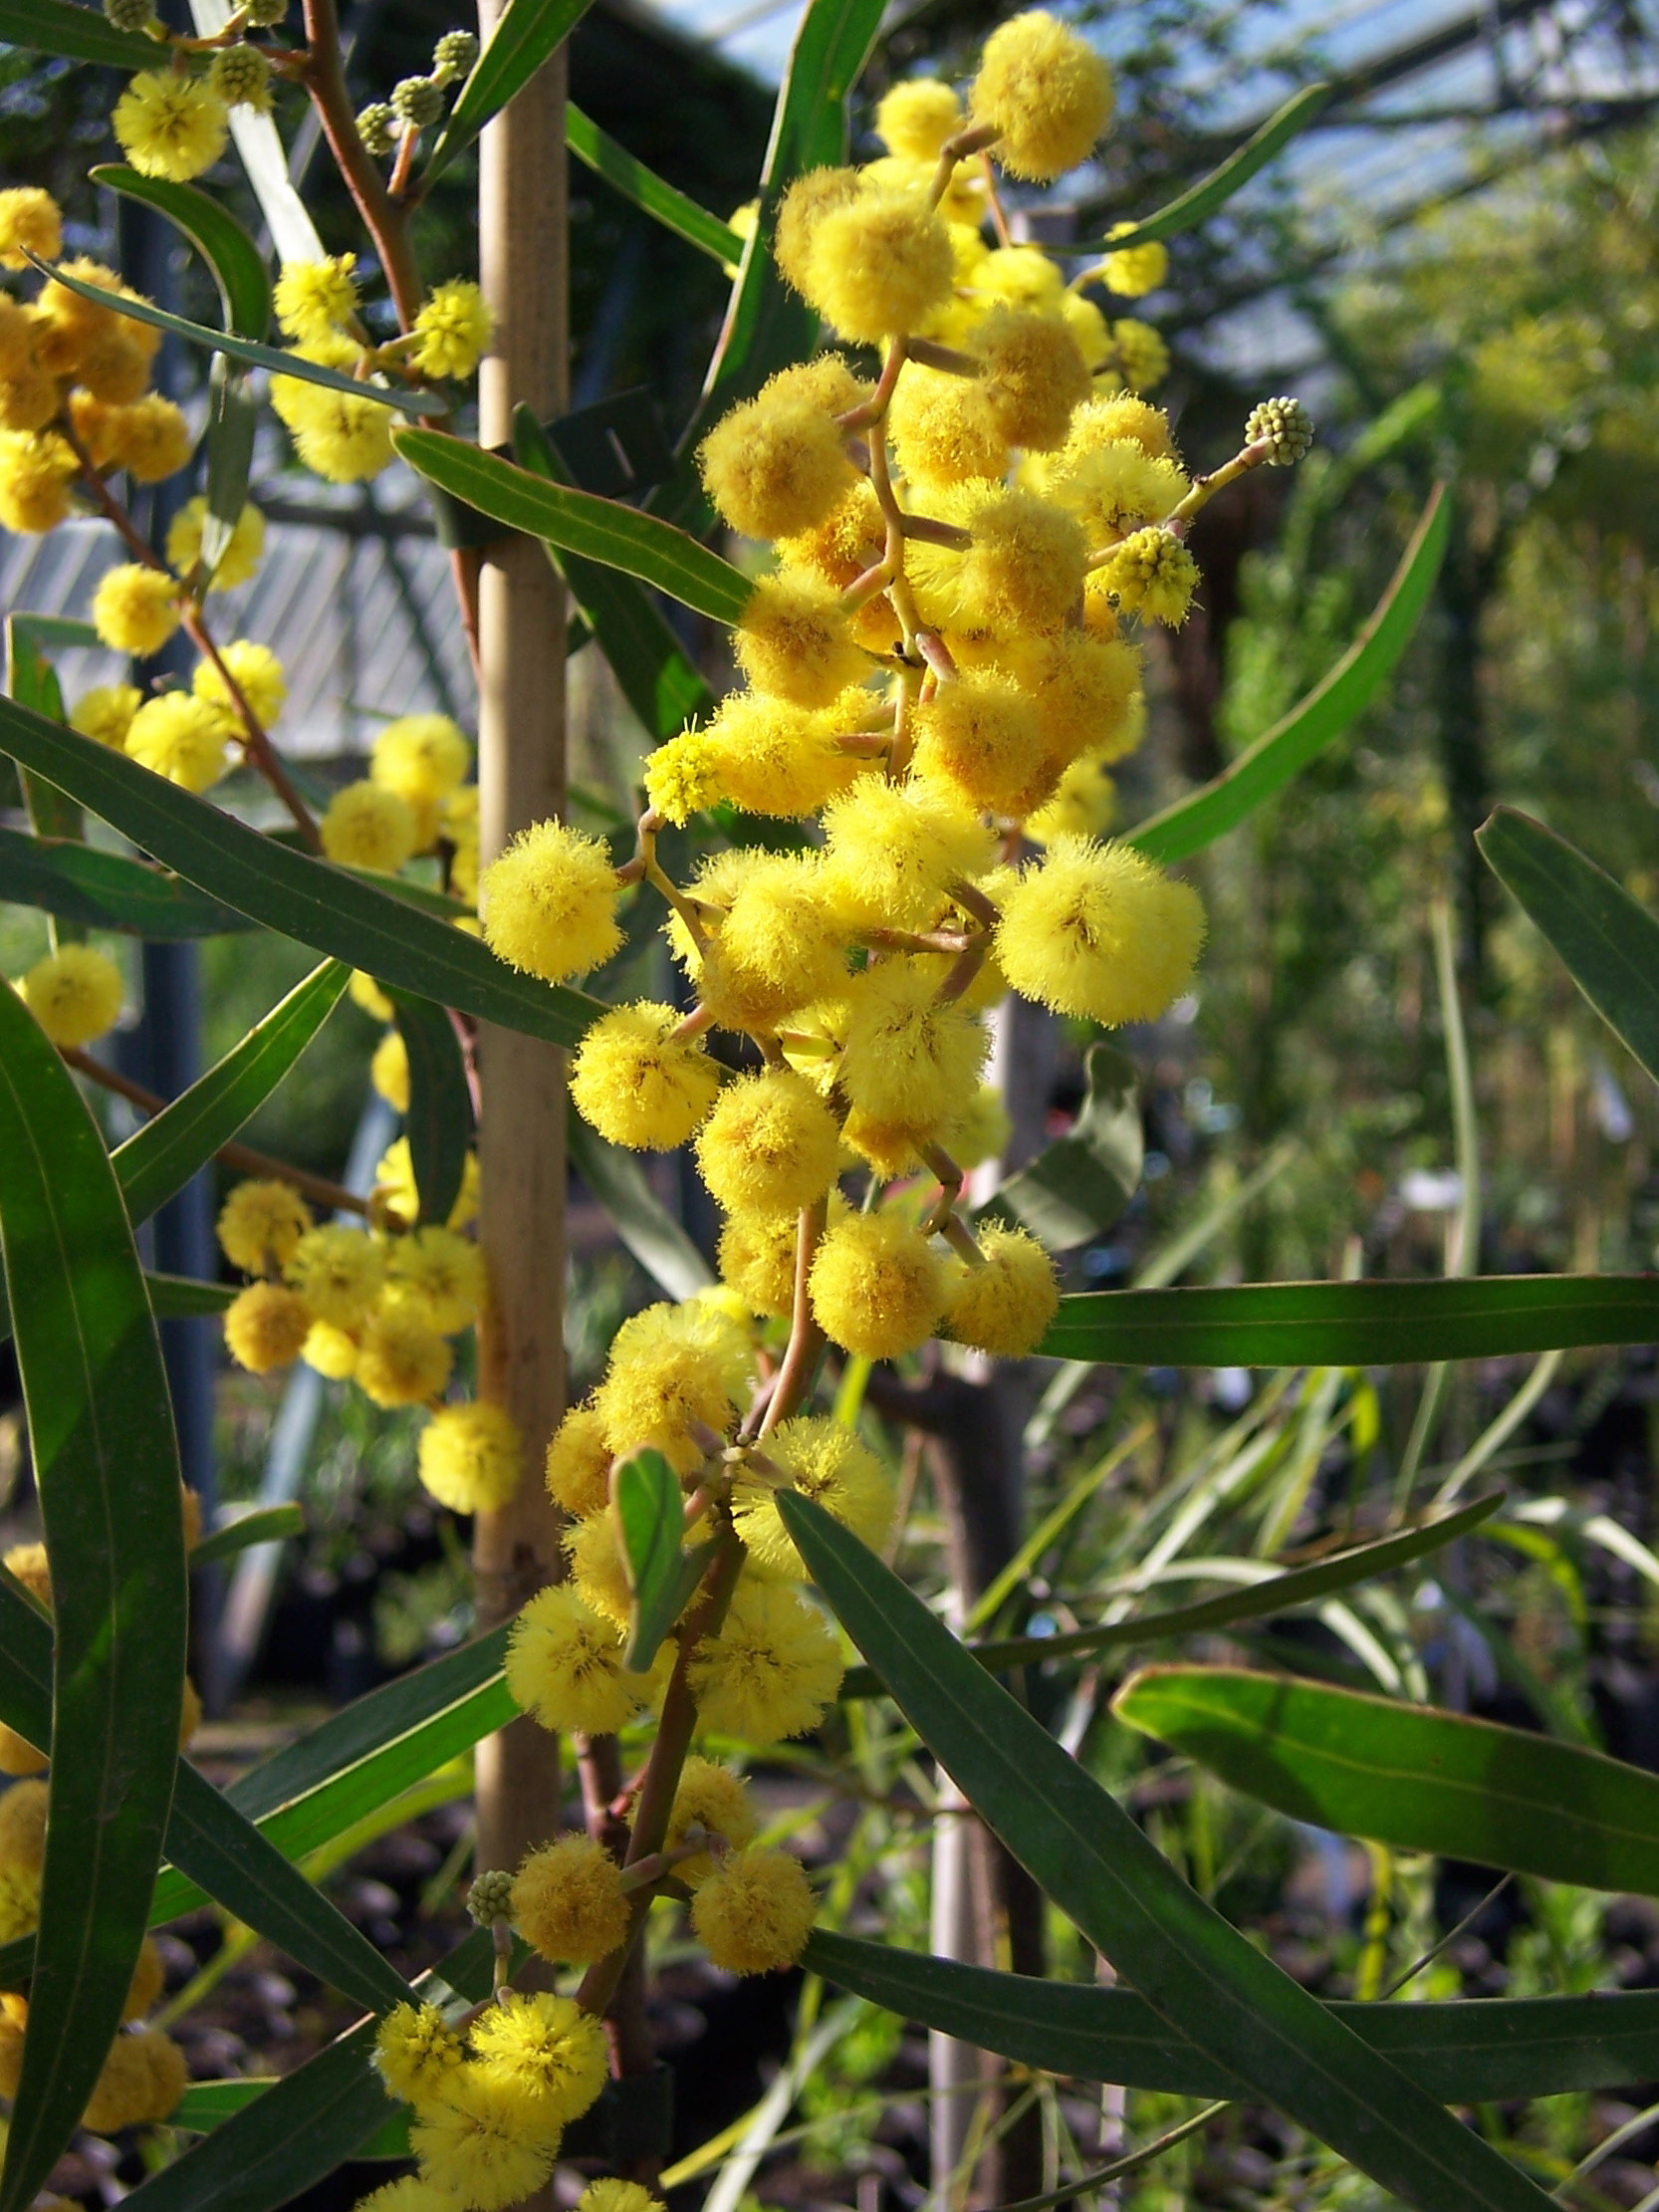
x,y
257,747
794,1377
937,654
999,219
399,183
935,532
973,900
1205,488
324,76
970,141
867,587
240,1156
699,1019
865,744
872,410
913,940
644,851
965,968
647,1873
949,360
951,1179
960,1238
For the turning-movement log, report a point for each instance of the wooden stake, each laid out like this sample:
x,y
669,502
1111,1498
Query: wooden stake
x,y
520,777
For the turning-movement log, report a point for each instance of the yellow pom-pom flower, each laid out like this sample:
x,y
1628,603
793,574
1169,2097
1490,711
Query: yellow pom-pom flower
x,y
169,126
400,1361
877,1285
1035,375
771,1670
781,945
1141,356
915,117
1084,805
23,1812
180,737
257,675
19,1909
672,1366
908,1056
754,1912
408,2193
771,1146
550,902
980,738
569,1904
365,994
266,1327
106,712
804,205
422,757
368,825
792,639
260,1223
639,1085
135,609
1045,91
485,2141
769,757
29,217
878,264
609,2195
471,1457
338,436
712,1798
339,1272
73,993
453,328
416,2053
35,469
151,440
578,1470
388,1071
1098,930
437,1276
142,2080
546,2044
1022,571
894,850
148,1979
598,1569
827,1463
1006,1306
314,299
564,1664
241,557
1132,271
331,1351
757,1258
394,1187
945,430
776,465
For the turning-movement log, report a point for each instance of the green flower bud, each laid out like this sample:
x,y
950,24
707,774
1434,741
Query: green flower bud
x,y
417,102
265,15
453,57
491,1897
241,76
132,15
1290,426
378,128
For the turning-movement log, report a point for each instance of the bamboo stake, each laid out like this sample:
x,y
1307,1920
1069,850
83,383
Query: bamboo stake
x,y
520,777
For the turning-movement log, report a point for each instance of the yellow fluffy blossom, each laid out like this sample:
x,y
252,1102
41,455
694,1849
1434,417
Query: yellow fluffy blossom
x,y
945,430
388,1071
756,1257
1085,691
1115,486
980,738
394,1187
1006,1306
804,205
774,1668
893,851
781,945
29,217
73,993
35,469
672,1366
909,1056
133,609
769,757
422,757
106,712
438,1277
28,394
23,1811
1084,803
754,1912
1098,930
178,736
339,1272
917,117
712,1798
776,465
314,299
877,263
142,2080
170,126
368,825
609,2195
569,1904
18,1756
564,1664
471,1457
682,777
547,2044
1141,356
19,1902
877,1285
241,557
1022,571
1151,573
578,1470
453,328
336,433
257,675
1045,91
408,2193
331,1351
639,1085
365,994
485,2141
1131,270
598,1569
550,902
416,2052
266,1327
260,1223
1035,375
827,1462
401,1362
148,1979
792,640
150,438
769,1145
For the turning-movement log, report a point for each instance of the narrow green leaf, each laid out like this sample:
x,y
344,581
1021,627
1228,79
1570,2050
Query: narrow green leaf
x,y
105,891
1197,1972
648,1510
279,362
326,907
650,1232
652,194
177,1297
156,1163
1266,766
1354,1325
208,2105
439,1119
107,1468
658,677
1200,201
526,33
232,422
75,34
1609,943
238,266
579,522
1080,1184
1405,1775
1489,2049
32,681
270,1525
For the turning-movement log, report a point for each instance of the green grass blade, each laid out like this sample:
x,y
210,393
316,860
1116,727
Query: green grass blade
x,y
75,34
162,1157
1199,1974
107,1467
106,891
270,1525
1354,1325
1266,766
1200,201
328,909
598,529
526,33
1607,942
439,1119
237,264
1408,1776
644,1224
1489,2049
653,195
